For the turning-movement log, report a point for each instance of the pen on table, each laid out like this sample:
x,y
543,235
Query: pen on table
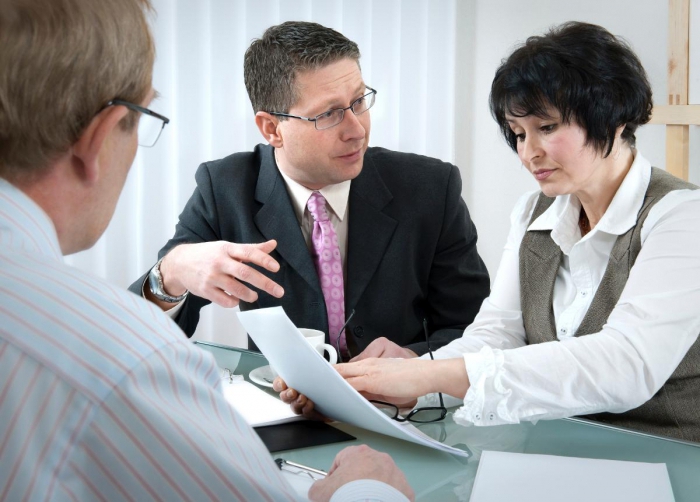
x,y
287,464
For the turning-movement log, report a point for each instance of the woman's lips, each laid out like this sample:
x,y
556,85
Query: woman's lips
x,y
542,174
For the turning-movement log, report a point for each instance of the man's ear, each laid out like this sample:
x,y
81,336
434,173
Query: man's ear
x,y
86,151
267,125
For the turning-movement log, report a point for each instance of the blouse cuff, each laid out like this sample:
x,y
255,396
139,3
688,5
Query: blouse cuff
x,y
486,401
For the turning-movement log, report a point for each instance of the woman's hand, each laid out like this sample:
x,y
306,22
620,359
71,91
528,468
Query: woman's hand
x,y
400,380
396,381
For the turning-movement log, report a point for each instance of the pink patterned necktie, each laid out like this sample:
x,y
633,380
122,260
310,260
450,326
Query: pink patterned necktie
x,y
326,255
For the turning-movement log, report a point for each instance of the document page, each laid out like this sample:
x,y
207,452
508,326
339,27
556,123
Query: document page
x,y
548,478
307,371
257,406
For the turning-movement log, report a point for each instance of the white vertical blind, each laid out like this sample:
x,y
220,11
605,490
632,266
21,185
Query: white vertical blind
x,y
408,50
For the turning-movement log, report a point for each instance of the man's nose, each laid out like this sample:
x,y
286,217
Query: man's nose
x,y
352,126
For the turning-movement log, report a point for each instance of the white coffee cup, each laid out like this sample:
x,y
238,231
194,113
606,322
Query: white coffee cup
x,y
316,339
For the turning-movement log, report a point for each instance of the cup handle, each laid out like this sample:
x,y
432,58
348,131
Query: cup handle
x,y
332,354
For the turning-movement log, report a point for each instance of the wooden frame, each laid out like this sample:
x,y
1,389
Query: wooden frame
x,y
678,115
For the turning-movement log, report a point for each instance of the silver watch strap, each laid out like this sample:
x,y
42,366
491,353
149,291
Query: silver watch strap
x,y
155,284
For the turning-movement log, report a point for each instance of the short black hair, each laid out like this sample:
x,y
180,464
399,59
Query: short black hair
x,y
587,74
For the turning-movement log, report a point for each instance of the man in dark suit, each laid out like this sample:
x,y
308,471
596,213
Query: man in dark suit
x,y
337,226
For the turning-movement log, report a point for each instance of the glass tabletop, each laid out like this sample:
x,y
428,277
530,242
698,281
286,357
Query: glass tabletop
x,y
440,476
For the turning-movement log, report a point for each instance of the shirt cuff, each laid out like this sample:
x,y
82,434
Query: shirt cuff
x,y
486,402
367,490
172,311
432,400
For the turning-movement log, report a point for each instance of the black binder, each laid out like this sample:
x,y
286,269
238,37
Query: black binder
x,y
300,434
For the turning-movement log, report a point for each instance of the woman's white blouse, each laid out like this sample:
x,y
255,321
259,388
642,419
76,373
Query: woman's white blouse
x,y
651,328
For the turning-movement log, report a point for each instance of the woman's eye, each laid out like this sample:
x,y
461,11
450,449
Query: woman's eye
x,y
520,137
548,128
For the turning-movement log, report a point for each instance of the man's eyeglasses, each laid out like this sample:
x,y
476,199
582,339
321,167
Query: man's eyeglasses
x,y
418,415
335,116
151,124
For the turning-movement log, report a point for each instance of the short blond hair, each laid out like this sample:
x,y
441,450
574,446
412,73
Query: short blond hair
x,y
61,61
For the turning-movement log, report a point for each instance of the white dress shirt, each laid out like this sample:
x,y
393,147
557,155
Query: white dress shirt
x,y
102,397
654,323
336,200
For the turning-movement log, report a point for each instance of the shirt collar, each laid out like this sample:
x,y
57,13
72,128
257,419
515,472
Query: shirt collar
x,y
336,196
24,225
563,215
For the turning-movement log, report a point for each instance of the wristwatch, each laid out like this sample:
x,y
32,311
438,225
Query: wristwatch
x,y
155,282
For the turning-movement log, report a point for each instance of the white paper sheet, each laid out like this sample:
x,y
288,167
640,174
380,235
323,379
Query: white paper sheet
x,y
543,478
257,406
307,371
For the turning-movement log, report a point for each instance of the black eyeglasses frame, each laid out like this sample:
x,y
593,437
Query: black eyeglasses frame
x,y
411,417
145,111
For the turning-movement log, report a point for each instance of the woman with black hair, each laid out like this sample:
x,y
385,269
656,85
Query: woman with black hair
x,y
595,309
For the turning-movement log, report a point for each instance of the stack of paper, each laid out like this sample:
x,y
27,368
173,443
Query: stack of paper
x,y
307,371
543,478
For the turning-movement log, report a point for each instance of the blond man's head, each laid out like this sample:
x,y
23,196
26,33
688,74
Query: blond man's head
x,y
61,61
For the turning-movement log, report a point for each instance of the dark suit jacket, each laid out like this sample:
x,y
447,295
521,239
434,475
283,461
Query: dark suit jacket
x,y
411,245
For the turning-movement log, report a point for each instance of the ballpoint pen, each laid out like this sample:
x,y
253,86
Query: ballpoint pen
x,y
287,465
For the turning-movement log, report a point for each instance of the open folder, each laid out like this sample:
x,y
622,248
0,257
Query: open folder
x,y
307,371
257,406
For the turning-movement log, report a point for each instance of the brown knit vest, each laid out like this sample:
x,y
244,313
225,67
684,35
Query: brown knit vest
x,y
675,409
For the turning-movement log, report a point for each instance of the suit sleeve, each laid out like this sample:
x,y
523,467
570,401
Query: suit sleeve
x,y
459,280
199,222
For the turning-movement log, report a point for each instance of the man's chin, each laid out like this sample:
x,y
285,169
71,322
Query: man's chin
x,y
350,172
333,175
86,240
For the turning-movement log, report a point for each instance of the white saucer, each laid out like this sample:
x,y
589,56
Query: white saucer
x,y
258,375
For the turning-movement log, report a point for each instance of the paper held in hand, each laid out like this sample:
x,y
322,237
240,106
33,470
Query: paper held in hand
x,y
307,371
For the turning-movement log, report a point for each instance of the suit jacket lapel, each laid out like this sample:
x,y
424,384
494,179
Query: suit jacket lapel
x,y
276,219
369,232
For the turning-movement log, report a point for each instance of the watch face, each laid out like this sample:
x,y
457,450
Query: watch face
x,y
155,283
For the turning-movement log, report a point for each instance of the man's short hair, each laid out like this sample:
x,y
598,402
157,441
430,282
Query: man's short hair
x,y
587,74
61,61
272,62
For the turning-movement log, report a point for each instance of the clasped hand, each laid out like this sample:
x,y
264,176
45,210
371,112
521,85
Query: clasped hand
x,y
360,462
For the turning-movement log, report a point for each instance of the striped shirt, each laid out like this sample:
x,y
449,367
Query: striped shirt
x,y
101,395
